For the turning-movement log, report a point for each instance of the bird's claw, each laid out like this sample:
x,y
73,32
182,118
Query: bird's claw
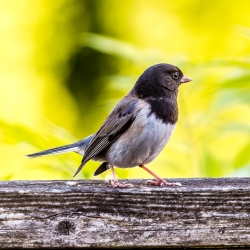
x,y
116,184
163,183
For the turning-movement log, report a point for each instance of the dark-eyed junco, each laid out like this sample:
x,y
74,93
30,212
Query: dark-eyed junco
x,y
137,129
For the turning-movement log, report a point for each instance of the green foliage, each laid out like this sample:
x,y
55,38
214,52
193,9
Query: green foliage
x,y
65,64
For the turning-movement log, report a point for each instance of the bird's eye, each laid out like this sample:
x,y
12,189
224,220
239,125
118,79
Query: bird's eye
x,y
175,75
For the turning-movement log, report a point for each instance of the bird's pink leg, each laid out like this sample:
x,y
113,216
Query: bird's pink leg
x,y
115,183
160,181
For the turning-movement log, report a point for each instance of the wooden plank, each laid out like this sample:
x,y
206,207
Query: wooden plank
x,y
58,214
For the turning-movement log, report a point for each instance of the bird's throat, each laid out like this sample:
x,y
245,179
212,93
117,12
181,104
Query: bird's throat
x,y
165,109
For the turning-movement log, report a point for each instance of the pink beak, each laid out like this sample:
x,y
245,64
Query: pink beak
x,y
186,79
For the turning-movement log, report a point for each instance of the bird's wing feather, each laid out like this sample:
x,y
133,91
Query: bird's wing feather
x,y
102,168
120,119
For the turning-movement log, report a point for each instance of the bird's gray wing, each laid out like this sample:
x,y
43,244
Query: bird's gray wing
x,y
119,120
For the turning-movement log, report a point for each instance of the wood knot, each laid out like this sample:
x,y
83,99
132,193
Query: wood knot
x,y
66,227
222,230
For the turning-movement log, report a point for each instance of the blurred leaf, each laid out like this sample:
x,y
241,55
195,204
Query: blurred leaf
x,y
111,46
243,157
238,82
26,140
234,127
7,177
211,165
120,48
239,62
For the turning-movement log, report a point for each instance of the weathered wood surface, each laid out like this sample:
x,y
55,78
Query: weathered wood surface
x,y
59,214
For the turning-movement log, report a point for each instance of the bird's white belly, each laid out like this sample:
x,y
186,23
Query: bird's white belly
x,y
141,143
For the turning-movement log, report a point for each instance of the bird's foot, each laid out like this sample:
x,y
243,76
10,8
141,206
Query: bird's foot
x,y
161,182
117,184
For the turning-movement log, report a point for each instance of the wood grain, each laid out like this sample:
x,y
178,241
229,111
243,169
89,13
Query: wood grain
x,y
202,213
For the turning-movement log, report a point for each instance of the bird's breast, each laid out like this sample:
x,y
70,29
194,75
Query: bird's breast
x,y
142,142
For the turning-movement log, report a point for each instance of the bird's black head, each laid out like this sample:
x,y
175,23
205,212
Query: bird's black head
x,y
159,80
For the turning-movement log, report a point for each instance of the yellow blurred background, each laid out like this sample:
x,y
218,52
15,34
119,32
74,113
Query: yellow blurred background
x,y
65,64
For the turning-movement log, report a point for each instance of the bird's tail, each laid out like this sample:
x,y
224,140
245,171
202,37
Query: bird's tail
x,y
58,150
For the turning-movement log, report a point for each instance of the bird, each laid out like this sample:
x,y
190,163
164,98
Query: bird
x,y
137,129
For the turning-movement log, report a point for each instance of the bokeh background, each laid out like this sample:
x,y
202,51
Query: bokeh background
x,y
66,63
